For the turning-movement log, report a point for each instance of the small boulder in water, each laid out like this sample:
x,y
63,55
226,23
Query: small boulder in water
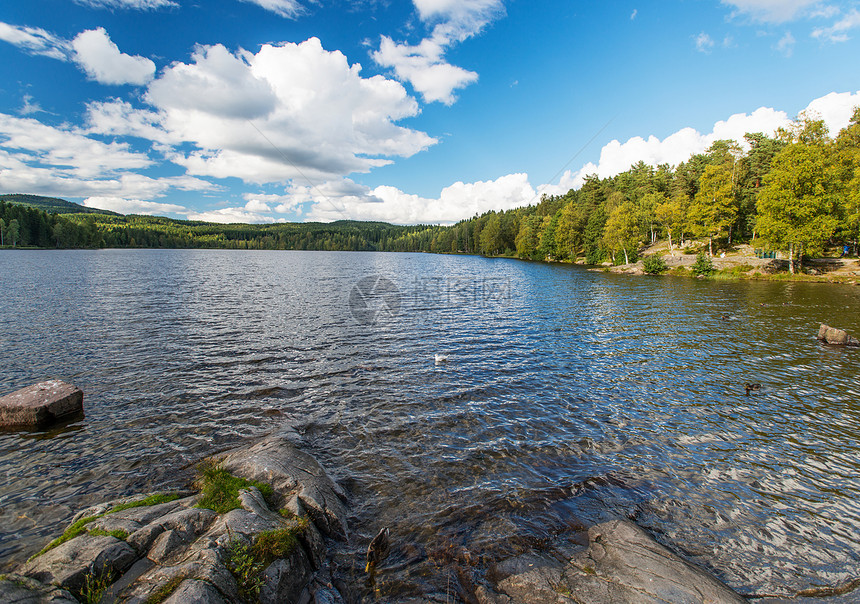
x,y
836,337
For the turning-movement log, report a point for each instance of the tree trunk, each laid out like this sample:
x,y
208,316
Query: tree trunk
x,y
730,234
710,247
626,258
791,258
669,231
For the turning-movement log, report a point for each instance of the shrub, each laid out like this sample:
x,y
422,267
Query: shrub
x,y
654,265
702,266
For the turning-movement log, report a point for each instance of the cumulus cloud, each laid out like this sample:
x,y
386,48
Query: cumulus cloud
x,y
92,50
36,41
775,11
103,62
423,65
292,111
82,156
424,68
45,160
129,4
289,9
838,32
338,200
133,206
232,216
835,109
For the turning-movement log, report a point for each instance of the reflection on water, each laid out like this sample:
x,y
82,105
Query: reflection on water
x,y
568,397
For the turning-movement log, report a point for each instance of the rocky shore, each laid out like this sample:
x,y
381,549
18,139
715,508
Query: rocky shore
x,y
269,536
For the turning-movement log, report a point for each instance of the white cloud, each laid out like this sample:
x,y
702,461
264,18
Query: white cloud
x,y
92,50
424,68
776,11
634,13
103,62
129,4
338,200
232,216
838,32
786,44
835,109
704,42
119,118
289,9
79,155
35,41
133,206
257,205
294,111
423,65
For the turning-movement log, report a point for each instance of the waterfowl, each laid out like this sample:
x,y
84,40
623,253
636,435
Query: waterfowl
x,y
441,358
378,550
750,387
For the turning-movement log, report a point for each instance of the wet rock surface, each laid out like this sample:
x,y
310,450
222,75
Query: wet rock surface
x,y
40,405
622,563
836,337
177,552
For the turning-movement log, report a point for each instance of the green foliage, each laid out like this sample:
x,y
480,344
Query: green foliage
x,y
702,266
278,543
79,527
219,490
654,265
52,205
246,569
166,590
95,586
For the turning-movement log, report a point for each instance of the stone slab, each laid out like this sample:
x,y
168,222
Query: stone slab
x,y
41,404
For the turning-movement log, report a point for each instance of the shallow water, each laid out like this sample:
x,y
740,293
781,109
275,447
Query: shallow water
x,y
568,397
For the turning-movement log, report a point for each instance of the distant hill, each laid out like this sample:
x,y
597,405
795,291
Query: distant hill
x,y
52,204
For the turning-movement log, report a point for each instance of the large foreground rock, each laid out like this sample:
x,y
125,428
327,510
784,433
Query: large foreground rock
x,y
289,470
622,564
40,405
179,553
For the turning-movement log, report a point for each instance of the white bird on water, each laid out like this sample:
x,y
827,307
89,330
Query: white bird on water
x,y
441,358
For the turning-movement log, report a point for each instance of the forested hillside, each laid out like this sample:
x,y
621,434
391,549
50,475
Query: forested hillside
x,y
52,205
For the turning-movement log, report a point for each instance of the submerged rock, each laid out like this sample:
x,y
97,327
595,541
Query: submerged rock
x,y
836,337
622,563
40,405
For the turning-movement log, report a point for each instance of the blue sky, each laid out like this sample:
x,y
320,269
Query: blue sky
x,y
399,110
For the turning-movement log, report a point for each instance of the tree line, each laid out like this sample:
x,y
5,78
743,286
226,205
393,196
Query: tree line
x,y
798,191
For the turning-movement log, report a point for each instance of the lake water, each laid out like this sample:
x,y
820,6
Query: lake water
x,y
568,397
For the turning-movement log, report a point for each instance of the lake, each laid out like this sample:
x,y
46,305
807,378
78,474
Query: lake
x,y
568,397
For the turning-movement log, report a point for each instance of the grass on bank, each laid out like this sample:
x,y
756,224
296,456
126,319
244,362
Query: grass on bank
x,y
219,490
79,527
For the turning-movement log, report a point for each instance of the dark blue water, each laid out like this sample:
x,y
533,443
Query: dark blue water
x,y
568,397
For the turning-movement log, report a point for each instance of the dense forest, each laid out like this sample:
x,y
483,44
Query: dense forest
x,y
798,191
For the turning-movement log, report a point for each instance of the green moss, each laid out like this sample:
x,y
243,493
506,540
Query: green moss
x,y
246,569
219,490
145,502
79,527
166,590
679,271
